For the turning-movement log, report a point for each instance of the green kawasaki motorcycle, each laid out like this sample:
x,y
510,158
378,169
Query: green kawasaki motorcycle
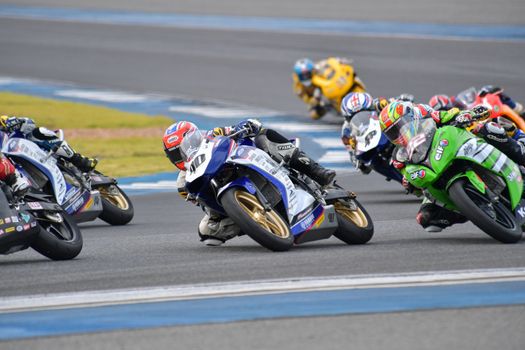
x,y
464,173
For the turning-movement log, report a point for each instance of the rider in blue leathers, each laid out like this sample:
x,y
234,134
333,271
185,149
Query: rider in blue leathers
x,y
215,229
45,139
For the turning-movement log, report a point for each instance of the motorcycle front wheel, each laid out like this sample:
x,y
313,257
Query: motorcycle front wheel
x,y
355,224
495,219
59,237
267,228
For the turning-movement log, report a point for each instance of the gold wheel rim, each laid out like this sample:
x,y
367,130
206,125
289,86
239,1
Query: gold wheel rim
x,y
269,220
117,199
356,216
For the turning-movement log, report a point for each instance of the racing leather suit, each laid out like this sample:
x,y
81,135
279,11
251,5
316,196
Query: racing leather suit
x,y
47,140
434,217
215,229
312,95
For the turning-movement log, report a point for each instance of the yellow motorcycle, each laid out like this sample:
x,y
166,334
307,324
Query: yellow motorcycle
x,y
334,78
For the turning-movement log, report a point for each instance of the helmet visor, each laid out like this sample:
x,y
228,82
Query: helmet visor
x,y
305,77
174,155
190,145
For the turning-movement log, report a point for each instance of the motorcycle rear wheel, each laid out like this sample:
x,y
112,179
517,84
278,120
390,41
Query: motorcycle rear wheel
x,y
117,207
476,207
355,226
267,228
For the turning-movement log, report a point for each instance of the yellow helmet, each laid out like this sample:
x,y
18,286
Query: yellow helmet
x,y
3,121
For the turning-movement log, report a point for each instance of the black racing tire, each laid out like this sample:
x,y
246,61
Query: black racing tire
x,y
117,208
237,204
355,227
467,199
58,241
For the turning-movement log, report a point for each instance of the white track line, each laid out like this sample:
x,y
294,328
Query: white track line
x,y
186,292
335,157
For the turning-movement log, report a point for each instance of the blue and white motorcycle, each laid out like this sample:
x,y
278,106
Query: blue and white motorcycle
x,y
273,204
84,196
368,147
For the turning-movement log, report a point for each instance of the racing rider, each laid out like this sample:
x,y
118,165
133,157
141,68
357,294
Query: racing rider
x,y
213,228
443,102
45,139
431,216
306,73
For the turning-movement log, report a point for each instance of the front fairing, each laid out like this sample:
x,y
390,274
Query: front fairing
x,y
207,162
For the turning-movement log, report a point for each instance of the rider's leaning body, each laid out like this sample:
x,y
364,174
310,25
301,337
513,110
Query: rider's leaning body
x,y
215,229
328,80
432,216
45,139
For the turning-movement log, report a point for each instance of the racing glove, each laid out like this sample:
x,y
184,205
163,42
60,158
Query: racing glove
x,y
10,124
379,103
480,112
448,116
252,127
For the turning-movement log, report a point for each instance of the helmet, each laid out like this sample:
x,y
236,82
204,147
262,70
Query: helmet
x,y
3,121
489,89
440,102
355,102
172,139
303,69
394,116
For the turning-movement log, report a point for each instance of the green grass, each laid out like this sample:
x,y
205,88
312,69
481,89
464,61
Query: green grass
x,y
119,155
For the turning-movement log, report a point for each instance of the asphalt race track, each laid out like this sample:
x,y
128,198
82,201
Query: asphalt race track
x,y
161,246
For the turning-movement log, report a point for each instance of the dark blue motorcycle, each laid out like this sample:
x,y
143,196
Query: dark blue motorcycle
x,y
273,204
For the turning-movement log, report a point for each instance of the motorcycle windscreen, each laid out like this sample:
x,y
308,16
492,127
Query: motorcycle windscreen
x,y
418,135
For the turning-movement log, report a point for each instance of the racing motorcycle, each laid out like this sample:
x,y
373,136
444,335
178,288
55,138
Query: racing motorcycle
x,y
35,220
368,147
470,98
273,204
334,79
465,174
84,196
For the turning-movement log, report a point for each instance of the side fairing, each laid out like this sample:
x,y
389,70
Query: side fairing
x,y
31,152
261,162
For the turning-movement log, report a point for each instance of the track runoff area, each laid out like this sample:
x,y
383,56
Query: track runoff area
x,y
107,310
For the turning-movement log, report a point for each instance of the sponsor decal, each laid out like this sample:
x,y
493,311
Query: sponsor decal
x,y
19,228
306,223
9,229
440,149
26,227
14,219
1,221
76,205
1,232
284,147
7,220
35,205
33,224
418,174
521,212
26,218
173,138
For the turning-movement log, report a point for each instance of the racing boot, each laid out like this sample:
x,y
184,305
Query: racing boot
x,y
301,162
496,135
84,164
215,230
434,218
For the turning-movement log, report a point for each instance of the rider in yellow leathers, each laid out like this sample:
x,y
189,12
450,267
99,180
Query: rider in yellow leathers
x,y
323,85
